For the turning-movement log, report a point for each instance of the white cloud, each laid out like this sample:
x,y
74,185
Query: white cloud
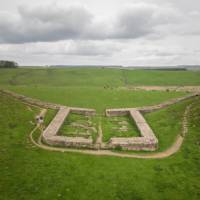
x,y
54,23
69,47
48,23
143,19
131,32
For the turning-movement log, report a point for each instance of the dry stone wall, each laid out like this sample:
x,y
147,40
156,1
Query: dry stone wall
x,y
146,109
64,141
31,101
47,105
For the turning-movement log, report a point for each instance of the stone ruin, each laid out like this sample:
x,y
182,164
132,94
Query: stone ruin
x,y
147,140
50,134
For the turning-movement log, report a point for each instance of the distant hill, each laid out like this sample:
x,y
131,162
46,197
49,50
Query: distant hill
x,y
166,68
190,67
110,66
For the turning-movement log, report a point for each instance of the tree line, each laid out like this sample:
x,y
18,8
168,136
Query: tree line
x,y
8,64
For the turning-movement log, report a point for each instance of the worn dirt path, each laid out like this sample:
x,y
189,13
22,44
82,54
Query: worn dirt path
x,y
170,151
192,89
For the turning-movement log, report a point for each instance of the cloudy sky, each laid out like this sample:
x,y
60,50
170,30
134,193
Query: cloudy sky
x,y
106,32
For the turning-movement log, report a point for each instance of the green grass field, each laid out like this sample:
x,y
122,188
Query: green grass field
x,y
103,77
28,172
97,98
97,88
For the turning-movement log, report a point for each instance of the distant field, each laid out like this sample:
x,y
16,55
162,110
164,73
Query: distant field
x,y
96,77
98,88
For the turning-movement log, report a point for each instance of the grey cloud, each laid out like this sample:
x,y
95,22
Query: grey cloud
x,y
44,24
78,47
91,48
144,19
54,23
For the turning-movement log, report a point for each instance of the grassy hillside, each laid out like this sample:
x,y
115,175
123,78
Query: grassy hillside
x,y
98,98
28,172
98,88
166,123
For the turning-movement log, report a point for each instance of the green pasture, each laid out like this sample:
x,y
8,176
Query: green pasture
x,y
96,77
28,172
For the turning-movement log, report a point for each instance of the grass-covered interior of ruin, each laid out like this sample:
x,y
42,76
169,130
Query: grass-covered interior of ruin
x,y
79,125
118,126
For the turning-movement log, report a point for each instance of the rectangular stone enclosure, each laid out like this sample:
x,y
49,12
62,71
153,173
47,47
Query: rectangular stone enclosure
x,y
147,141
50,134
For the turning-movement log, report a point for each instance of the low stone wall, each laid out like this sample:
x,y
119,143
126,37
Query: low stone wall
x,y
50,134
134,143
56,123
147,141
117,112
82,111
32,101
63,141
146,109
